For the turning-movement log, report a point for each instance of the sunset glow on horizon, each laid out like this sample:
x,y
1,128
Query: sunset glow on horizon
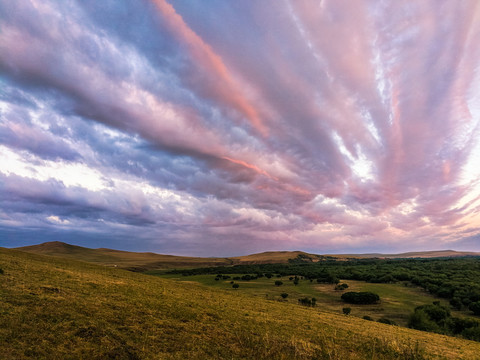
x,y
229,128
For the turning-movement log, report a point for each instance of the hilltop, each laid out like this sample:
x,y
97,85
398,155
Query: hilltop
x,y
145,261
62,308
136,261
417,254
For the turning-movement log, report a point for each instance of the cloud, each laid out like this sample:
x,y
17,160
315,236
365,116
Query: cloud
x,y
327,126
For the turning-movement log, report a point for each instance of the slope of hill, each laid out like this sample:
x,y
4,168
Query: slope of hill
x,y
274,257
417,254
139,261
56,308
144,261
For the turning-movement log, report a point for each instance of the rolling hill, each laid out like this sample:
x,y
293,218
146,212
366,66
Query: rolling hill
x,y
136,261
413,255
55,308
144,261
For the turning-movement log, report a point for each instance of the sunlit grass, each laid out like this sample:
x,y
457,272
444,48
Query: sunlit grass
x,y
62,309
397,300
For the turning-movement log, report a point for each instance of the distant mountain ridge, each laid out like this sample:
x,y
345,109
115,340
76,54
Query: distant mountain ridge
x,y
143,261
417,254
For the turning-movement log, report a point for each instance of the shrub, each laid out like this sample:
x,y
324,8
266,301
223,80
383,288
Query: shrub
x,y
456,303
346,310
284,295
472,333
386,321
1,271
278,282
235,286
369,318
363,298
341,287
434,318
308,302
475,307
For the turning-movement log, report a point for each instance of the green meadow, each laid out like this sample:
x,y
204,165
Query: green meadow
x,y
397,300
53,308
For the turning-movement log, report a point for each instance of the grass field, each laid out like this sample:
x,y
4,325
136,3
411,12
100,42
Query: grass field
x,y
54,308
397,301
147,261
139,261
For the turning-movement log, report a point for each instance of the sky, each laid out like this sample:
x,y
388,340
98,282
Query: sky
x,y
222,128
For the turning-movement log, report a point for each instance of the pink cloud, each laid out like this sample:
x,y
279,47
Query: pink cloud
x,y
220,81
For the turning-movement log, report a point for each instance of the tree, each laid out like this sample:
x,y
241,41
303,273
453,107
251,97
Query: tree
x,y
456,303
347,310
431,317
278,282
284,295
341,287
307,302
295,282
475,307
235,286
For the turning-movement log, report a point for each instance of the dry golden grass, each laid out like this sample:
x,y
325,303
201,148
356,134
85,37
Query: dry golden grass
x,y
140,261
53,308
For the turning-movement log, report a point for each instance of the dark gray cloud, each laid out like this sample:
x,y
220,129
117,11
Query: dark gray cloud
x,y
219,128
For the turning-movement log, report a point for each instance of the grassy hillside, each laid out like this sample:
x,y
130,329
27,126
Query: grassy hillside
x,y
139,261
274,257
397,301
55,308
412,255
145,261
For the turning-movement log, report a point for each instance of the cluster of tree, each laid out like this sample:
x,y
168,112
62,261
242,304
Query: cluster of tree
x,y
437,318
308,302
295,279
246,277
455,279
341,287
220,277
362,297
